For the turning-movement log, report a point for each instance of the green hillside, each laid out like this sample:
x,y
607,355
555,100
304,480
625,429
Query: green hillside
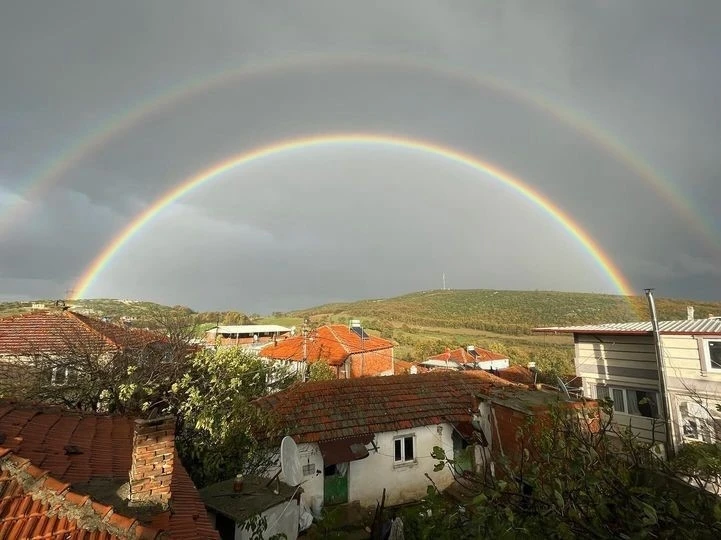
x,y
425,323
504,312
143,312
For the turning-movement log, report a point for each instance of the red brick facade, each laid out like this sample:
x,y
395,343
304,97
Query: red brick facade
x,y
370,363
152,460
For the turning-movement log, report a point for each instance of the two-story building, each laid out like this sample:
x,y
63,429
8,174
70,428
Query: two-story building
x,y
618,361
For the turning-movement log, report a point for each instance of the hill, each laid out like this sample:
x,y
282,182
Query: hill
x,y
504,312
141,314
141,311
426,323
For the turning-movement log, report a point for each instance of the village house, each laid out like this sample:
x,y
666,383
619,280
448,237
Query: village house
x,y
248,336
349,350
58,333
470,357
619,361
67,474
359,436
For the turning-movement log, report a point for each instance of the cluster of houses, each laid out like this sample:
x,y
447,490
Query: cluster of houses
x,y
372,428
348,349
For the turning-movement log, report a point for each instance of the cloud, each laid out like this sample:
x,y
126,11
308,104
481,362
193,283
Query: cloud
x,y
330,223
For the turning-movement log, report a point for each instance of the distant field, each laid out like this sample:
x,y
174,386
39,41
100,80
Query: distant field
x,y
425,323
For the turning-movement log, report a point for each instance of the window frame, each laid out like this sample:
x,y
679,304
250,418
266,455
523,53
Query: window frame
x,y
626,400
707,353
402,440
66,372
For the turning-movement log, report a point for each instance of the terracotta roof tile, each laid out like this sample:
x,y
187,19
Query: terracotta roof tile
x,y
58,331
29,509
332,343
324,410
463,356
519,374
105,446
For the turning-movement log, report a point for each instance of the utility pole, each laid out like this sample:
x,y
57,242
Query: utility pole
x,y
305,346
665,400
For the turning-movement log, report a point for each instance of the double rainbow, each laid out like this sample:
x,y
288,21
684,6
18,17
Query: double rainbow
x,y
91,274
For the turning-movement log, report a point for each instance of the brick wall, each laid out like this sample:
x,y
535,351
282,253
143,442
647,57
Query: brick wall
x,y
372,362
152,460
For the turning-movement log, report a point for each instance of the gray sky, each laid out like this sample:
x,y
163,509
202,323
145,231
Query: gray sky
x,y
354,221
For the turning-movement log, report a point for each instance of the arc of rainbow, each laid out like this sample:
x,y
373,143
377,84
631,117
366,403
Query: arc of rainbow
x,y
119,123
304,143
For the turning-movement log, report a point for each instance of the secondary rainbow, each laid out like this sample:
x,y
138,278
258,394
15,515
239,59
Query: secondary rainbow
x,y
43,180
304,143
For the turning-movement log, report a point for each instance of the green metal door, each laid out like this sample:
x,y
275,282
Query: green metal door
x,y
335,487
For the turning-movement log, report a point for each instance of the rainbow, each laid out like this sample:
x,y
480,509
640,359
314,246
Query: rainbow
x,y
42,181
97,266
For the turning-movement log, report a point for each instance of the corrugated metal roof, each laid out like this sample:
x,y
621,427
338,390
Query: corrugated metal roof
x,y
249,329
694,326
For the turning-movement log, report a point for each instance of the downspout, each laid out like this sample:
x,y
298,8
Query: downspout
x,y
665,400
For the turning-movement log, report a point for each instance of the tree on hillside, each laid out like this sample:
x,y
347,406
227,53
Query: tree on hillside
x,y
570,479
217,422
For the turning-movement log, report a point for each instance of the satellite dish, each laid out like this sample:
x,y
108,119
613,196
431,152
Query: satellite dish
x,y
290,461
563,388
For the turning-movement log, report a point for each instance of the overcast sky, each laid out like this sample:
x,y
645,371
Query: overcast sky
x,y
355,221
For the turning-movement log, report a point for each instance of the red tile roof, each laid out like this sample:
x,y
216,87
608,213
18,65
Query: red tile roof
x,y
103,445
57,331
519,374
401,367
325,410
462,356
332,343
33,504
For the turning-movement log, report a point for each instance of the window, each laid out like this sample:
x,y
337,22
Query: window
x,y
627,401
61,376
701,420
404,449
713,348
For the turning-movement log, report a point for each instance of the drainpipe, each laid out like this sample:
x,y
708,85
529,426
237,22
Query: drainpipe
x,y
665,401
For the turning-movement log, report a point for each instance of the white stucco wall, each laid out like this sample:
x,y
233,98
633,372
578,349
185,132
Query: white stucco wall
x,y
403,483
367,477
312,484
280,519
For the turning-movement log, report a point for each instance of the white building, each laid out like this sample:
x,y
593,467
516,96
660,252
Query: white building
x,y
250,336
357,437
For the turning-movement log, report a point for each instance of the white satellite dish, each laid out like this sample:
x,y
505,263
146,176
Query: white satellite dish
x,y
290,461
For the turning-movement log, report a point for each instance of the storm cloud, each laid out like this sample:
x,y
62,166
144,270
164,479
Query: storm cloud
x,y
611,110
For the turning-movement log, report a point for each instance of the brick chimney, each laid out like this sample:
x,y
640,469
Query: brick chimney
x,y
152,461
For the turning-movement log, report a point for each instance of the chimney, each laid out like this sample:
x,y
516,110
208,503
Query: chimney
x,y
689,313
152,461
